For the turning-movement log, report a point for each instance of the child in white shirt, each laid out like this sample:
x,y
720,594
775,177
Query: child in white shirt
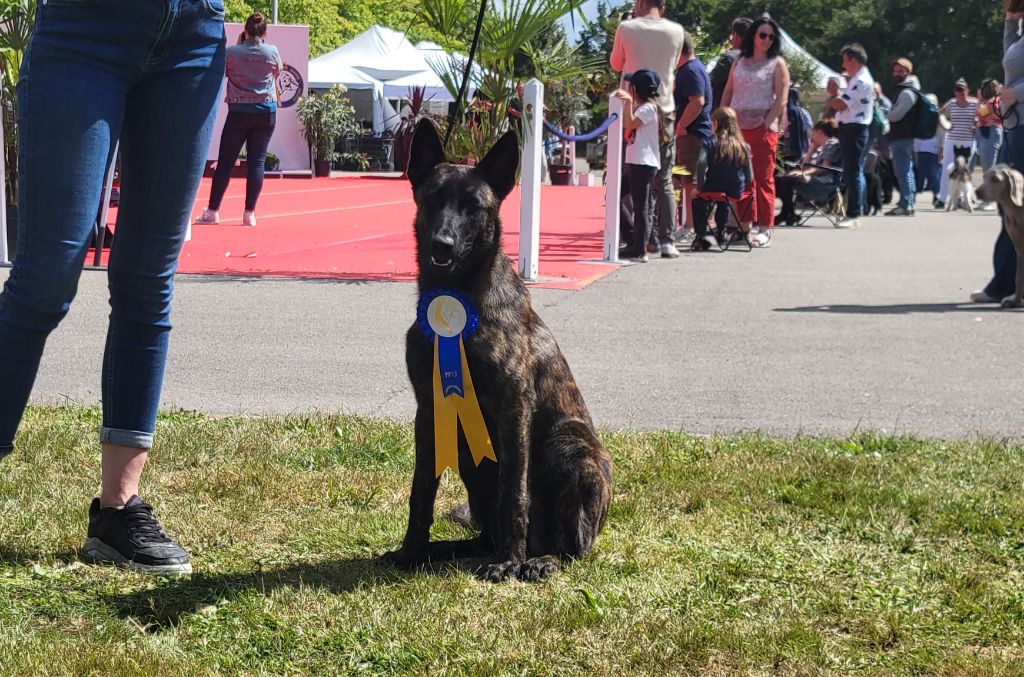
x,y
641,122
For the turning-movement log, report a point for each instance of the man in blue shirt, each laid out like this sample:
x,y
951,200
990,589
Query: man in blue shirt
x,y
693,117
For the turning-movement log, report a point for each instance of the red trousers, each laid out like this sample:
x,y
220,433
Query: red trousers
x,y
762,144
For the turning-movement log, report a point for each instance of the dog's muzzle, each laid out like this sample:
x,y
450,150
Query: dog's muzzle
x,y
442,250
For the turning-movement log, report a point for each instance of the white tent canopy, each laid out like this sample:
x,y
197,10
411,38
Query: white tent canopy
x,y
790,46
379,52
386,62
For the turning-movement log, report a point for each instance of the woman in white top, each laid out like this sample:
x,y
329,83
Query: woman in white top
x,y
757,90
642,125
962,111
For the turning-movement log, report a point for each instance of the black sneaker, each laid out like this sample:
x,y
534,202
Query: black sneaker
x,y
132,536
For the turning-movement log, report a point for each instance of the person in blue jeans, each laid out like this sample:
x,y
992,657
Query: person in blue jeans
x,y
252,70
146,72
1004,257
903,120
855,107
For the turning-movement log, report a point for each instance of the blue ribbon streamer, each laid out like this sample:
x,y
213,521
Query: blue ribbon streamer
x,y
449,353
589,136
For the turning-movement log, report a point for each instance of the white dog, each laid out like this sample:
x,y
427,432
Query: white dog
x,y
961,192
1006,186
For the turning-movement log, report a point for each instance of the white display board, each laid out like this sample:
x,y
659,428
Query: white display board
x,y
287,143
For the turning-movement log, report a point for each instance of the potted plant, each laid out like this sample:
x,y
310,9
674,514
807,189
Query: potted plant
x,y
407,127
272,163
353,162
325,118
15,28
564,101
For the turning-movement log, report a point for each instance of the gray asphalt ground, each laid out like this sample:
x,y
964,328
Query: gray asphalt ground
x,y
826,332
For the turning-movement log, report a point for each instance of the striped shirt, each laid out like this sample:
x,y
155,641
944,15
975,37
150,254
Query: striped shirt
x,y
962,119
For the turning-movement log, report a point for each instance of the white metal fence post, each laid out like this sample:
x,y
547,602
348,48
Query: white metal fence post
x,y
613,182
572,157
529,207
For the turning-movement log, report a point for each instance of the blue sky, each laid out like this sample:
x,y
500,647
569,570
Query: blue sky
x,y
589,10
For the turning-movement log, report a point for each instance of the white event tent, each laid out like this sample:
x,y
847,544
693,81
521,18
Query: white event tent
x,y
376,65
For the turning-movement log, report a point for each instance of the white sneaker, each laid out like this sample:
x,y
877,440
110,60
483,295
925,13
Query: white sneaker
x,y
209,217
848,222
669,251
249,219
981,297
987,207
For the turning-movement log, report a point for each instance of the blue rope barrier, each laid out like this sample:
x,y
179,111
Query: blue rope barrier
x,y
589,136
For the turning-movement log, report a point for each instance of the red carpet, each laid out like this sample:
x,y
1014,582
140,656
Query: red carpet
x,y
361,229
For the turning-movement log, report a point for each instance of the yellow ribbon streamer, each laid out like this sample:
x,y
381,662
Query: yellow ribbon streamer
x,y
449,410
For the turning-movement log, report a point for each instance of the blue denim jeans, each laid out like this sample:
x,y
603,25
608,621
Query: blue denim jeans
x,y
147,72
853,144
927,173
902,151
1004,256
988,145
254,130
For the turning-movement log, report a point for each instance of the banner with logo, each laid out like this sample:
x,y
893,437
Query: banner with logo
x,y
287,143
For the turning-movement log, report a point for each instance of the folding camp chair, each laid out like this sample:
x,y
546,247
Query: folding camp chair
x,y
732,232
828,204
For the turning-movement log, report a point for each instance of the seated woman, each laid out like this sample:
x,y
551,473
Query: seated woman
x,y
724,167
818,180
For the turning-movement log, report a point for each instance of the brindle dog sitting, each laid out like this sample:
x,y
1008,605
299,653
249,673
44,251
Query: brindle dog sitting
x,y
547,497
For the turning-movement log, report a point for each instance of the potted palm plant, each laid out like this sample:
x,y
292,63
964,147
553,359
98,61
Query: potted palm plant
x,y
325,117
15,28
519,41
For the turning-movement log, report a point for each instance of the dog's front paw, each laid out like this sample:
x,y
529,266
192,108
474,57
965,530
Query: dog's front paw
x,y
405,558
499,571
1012,302
538,568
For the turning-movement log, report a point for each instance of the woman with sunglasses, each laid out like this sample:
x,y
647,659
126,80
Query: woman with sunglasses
x,y
758,90
1004,258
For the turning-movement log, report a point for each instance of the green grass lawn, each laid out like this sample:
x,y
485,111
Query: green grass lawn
x,y
722,556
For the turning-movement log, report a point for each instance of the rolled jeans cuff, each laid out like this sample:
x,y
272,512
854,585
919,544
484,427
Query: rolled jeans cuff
x,y
126,438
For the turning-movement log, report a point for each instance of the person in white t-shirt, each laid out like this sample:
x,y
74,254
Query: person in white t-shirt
x,y
651,41
643,127
855,107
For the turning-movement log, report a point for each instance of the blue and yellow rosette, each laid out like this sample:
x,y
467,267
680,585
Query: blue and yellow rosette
x,y
447,318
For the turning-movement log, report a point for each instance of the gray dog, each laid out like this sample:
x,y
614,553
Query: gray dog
x,y
1005,185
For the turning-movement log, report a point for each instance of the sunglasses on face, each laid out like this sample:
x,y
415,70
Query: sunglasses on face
x,y
768,36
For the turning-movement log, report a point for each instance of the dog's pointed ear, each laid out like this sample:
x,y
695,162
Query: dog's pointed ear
x,y
426,152
499,166
1016,181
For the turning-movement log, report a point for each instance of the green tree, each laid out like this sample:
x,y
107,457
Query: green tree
x,y
945,40
332,23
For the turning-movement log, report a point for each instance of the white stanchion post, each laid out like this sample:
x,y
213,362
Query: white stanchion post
x,y
529,206
613,182
5,256
572,156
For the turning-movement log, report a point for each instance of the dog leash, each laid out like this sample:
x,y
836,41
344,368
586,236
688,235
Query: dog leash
x,y
457,109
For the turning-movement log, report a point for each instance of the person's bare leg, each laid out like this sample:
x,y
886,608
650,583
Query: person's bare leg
x,y
121,469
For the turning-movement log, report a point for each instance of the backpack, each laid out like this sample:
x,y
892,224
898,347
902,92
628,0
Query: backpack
x,y
879,125
926,118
